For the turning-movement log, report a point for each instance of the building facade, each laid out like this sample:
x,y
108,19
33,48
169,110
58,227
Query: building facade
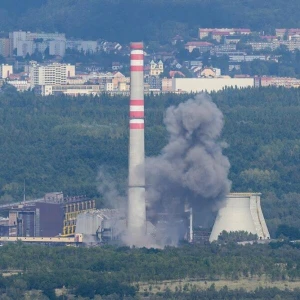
x,y
51,75
5,71
156,68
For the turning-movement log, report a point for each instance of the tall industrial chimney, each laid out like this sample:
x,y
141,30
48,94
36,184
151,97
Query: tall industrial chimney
x,y
136,219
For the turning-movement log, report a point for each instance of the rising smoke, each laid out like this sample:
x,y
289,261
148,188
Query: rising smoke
x,y
191,169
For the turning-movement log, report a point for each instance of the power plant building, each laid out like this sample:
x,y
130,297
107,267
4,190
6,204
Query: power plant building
x,y
50,216
241,212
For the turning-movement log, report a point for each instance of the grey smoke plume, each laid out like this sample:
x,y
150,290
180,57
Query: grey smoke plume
x,y
191,168
110,193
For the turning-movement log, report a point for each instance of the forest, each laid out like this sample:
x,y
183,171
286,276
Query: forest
x,y
61,144
104,271
157,20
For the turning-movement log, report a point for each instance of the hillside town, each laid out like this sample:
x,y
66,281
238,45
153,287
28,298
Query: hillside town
x,y
52,64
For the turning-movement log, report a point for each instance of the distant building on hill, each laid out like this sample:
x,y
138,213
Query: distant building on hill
x,y
156,68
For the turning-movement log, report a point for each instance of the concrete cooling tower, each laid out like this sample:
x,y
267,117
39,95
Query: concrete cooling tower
x,y
241,212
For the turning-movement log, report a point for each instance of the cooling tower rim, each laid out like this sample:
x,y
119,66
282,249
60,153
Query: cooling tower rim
x,y
238,195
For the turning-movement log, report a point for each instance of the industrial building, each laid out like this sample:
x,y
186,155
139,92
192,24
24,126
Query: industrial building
x,y
101,226
241,212
53,215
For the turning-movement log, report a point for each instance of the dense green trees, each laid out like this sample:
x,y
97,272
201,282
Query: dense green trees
x,y
59,143
109,270
158,20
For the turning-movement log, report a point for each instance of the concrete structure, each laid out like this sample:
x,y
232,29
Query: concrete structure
x,y
136,219
101,226
5,71
196,85
241,212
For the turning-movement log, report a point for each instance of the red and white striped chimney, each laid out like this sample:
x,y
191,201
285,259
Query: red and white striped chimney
x,y
136,219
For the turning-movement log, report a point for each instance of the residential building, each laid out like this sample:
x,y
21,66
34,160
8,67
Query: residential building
x,y
242,58
70,70
292,44
223,48
15,37
28,42
5,47
20,85
287,82
53,74
205,32
201,46
5,71
210,72
57,48
232,39
71,90
109,87
156,68
25,47
284,32
154,82
166,84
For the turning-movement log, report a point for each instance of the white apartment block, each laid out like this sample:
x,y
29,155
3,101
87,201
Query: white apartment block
x,y
28,42
15,37
82,46
5,71
5,47
291,44
57,48
53,74
25,47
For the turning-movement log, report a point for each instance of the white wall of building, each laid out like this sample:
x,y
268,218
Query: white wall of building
x,y
25,47
17,36
5,71
57,47
196,85
53,74
20,85
70,70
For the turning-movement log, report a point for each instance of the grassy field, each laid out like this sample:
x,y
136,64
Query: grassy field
x,y
189,285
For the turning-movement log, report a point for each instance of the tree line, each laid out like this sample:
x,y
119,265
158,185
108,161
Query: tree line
x,y
158,20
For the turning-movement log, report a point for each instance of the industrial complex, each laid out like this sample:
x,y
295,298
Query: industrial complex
x,y
56,219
